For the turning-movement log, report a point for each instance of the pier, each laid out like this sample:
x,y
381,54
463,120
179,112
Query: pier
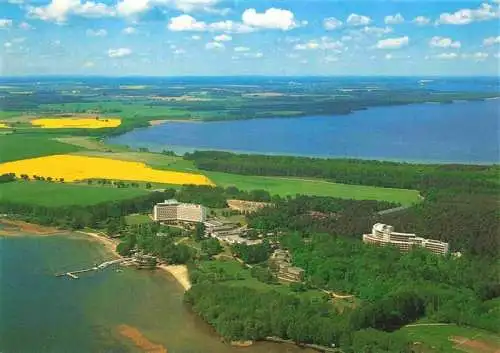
x,y
73,274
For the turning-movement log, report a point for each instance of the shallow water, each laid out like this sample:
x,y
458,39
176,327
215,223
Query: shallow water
x,y
462,132
46,314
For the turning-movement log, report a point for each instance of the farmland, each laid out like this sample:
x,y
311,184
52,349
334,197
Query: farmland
x,y
293,186
21,147
73,168
76,123
62,194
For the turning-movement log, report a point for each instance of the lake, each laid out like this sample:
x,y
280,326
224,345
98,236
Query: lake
x,y
46,314
462,132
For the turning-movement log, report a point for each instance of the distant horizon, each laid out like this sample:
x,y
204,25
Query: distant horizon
x,y
245,75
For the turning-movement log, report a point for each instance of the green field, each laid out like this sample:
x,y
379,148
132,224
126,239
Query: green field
x,y
15,147
57,194
436,339
293,186
134,219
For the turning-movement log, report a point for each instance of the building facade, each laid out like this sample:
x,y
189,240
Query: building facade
x,y
383,234
172,210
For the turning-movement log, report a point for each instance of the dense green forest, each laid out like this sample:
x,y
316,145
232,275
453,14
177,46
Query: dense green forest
x,y
392,288
423,177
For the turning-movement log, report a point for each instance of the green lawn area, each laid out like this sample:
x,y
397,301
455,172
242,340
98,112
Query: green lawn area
x,y
62,194
235,268
137,219
435,339
293,186
15,147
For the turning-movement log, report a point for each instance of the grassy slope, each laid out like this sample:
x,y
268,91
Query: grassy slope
x,y
57,194
291,186
14,147
435,339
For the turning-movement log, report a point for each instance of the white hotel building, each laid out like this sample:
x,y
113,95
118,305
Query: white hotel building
x,y
383,234
172,210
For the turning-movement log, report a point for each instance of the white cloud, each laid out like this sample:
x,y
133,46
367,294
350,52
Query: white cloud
x,y
7,44
202,5
491,41
346,38
26,26
358,20
331,23
179,51
129,30
394,19
388,56
223,38
253,55
421,20
186,23
96,33
485,12
443,42
392,43
119,52
195,37
5,23
241,49
88,64
377,31
18,40
497,55
59,10
324,43
271,18
446,56
478,56
214,45
132,7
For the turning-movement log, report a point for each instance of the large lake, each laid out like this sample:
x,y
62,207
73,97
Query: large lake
x,y
462,132
41,313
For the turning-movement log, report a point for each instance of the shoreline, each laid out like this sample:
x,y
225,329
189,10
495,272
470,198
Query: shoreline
x,y
21,228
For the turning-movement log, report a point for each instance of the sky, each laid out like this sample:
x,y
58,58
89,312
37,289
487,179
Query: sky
x,y
249,37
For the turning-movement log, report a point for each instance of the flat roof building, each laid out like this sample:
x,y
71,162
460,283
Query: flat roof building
x,y
172,210
383,234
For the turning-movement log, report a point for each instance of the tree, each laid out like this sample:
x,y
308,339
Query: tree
x,y
211,246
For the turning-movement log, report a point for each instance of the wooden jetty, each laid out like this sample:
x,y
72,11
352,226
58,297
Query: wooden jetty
x,y
73,274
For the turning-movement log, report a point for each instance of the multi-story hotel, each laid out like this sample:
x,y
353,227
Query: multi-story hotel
x,y
172,210
383,234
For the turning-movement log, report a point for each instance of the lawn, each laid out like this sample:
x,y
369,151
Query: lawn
x,y
15,147
134,219
62,194
437,339
293,186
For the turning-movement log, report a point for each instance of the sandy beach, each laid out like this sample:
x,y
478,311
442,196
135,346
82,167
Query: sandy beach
x,y
162,121
180,273
109,244
14,227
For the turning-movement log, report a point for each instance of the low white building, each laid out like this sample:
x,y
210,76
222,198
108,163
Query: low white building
x,y
172,210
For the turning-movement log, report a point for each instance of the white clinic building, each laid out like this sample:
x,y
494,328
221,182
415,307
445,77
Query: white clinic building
x,y
172,210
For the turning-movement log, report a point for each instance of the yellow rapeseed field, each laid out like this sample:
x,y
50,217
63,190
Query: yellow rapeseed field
x,y
74,168
3,125
76,123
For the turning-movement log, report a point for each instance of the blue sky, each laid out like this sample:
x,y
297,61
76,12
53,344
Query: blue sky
x,y
265,37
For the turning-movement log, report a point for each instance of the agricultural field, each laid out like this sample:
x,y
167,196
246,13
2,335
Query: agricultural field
x,y
14,147
293,186
134,219
77,168
453,339
76,123
62,194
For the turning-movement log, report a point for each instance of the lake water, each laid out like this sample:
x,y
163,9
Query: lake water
x,y
462,132
46,314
